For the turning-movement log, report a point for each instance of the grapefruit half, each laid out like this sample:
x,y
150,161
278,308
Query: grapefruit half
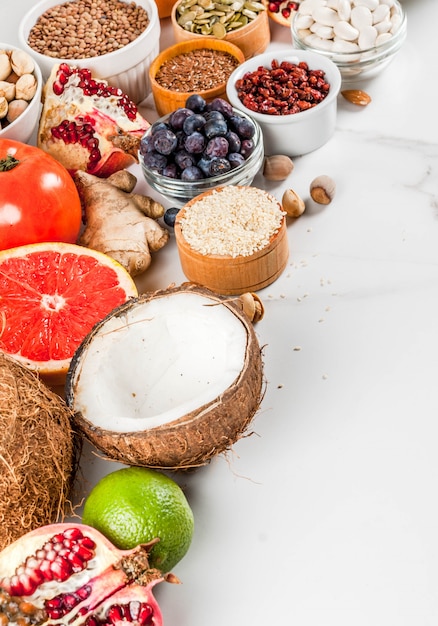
x,y
51,296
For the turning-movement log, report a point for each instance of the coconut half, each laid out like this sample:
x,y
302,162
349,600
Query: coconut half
x,y
168,379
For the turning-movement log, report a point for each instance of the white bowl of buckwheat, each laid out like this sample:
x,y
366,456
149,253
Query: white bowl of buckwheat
x,y
115,39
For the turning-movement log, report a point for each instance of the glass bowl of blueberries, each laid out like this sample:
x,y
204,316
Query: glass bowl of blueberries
x,y
200,146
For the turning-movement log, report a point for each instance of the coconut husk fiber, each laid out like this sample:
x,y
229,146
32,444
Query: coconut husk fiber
x,y
39,452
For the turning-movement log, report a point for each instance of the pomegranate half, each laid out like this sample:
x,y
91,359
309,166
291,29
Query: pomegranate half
x,y
87,124
71,574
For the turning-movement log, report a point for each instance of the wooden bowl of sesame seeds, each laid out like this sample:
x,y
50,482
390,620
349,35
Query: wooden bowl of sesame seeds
x,y
202,67
232,239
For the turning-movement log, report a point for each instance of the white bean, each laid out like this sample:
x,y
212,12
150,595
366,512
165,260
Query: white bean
x,y
381,13
346,31
307,6
384,26
305,21
382,38
370,4
367,37
360,17
325,32
344,10
325,16
340,45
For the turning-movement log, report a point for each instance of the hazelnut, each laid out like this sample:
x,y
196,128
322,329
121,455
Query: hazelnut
x,y
292,204
322,189
277,167
16,108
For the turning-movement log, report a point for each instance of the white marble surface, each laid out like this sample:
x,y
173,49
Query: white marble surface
x,y
328,514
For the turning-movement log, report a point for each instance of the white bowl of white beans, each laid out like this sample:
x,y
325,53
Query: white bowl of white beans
x,y
116,39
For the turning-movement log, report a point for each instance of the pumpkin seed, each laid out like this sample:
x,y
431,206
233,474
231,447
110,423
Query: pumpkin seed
x,y
217,18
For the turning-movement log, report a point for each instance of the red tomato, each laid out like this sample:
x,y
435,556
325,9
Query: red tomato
x,y
39,201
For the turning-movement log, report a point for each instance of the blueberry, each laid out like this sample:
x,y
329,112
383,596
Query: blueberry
x,y
213,115
217,147
215,128
247,148
221,105
193,122
219,165
180,137
234,141
183,159
155,161
236,159
176,119
164,141
170,215
195,143
170,171
204,165
146,144
192,174
196,103
243,127
158,126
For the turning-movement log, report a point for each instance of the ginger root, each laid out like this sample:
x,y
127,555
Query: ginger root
x,y
119,222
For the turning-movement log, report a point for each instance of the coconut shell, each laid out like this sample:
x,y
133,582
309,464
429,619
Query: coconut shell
x,y
39,452
194,439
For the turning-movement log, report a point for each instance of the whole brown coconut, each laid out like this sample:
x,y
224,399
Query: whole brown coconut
x,y
168,380
38,452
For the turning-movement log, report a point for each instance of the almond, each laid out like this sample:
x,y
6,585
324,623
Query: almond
x,y
356,96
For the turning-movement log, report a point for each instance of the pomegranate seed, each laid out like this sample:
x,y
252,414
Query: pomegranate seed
x,y
45,569
28,586
145,614
73,533
82,551
83,592
53,603
69,601
115,614
58,88
61,569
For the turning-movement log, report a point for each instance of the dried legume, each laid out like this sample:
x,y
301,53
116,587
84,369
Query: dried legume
x,y
82,29
283,89
196,70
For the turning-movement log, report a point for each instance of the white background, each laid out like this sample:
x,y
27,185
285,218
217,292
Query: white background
x,y
327,514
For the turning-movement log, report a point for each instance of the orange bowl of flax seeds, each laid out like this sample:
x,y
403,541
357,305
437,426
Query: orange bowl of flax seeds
x,y
200,66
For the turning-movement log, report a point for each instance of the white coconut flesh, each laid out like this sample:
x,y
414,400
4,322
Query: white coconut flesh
x,y
157,362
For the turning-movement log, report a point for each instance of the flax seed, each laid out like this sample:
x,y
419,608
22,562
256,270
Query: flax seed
x,y
196,70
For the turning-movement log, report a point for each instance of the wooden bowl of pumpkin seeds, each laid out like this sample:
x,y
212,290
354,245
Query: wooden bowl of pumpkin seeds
x,y
244,23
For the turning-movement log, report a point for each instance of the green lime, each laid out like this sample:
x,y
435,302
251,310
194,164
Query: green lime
x,y
135,505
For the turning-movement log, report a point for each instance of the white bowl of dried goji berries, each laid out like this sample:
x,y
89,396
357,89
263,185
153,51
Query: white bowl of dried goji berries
x,y
292,94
